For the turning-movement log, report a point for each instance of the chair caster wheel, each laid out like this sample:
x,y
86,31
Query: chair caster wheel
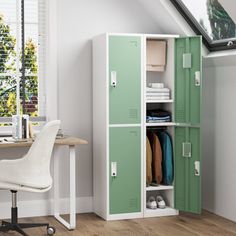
x,y
51,230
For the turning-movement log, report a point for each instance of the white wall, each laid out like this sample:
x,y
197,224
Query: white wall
x,y
78,22
219,157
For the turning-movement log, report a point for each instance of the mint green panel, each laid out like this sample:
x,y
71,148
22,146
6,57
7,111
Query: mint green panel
x,y
187,183
180,163
125,188
187,90
195,181
195,91
125,98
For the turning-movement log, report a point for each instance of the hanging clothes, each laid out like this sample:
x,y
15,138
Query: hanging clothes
x,y
167,158
148,162
156,158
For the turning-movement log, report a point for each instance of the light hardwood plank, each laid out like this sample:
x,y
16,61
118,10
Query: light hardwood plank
x,y
206,224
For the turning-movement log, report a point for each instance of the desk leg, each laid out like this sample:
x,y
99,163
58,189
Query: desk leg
x,y
72,224
56,181
72,187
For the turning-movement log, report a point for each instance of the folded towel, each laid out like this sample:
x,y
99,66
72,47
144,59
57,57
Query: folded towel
x,y
157,94
157,90
156,85
157,98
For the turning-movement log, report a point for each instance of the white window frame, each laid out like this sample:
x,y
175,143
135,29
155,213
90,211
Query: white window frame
x,y
51,67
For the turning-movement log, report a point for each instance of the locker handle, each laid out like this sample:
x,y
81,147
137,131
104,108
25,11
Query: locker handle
x,y
114,169
197,78
197,168
113,79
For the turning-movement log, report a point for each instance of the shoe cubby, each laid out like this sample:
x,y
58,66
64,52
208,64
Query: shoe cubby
x,y
168,197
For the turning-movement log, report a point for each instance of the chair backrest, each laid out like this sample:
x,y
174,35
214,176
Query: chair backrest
x,y
39,155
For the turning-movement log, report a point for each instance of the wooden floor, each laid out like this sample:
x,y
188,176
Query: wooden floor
x,y
183,225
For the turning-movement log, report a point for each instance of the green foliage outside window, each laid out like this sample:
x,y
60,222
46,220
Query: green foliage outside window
x,y
222,25
8,65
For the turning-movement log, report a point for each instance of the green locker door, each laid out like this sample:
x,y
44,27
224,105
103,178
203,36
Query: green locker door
x,y
125,188
188,86
188,169
124,80
188,82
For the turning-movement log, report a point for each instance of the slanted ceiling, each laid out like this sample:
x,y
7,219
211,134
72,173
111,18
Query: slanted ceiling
x,y
166,17
169,21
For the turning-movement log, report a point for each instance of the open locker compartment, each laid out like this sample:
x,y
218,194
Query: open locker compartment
x,y
170,130
166,191
167,108
165,76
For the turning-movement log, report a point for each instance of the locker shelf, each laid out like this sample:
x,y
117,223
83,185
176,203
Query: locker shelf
x,y
160,101
160,187
168,211
160,124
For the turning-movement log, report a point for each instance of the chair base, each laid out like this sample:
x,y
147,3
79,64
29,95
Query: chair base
x,y
7,226
18,227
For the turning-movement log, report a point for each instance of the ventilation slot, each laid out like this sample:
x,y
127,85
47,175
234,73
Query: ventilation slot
x,y
180,115
133,113
133,203
135,133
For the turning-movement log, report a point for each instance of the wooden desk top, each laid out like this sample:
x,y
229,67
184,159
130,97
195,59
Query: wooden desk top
x,y
67,141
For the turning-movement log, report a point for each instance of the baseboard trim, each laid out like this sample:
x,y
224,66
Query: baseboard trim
x,y
45,207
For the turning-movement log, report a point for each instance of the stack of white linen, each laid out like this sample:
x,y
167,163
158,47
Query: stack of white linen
x,y
157,91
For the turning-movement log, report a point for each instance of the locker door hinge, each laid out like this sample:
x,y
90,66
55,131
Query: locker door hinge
x,y
187,60
187,150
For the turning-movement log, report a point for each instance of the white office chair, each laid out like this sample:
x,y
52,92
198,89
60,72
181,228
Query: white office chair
x,y
30,173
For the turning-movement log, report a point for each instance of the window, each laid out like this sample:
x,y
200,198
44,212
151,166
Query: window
x,y
25,66
209,19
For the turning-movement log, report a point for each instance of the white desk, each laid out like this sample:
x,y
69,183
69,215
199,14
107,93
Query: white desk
x,y
71,142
